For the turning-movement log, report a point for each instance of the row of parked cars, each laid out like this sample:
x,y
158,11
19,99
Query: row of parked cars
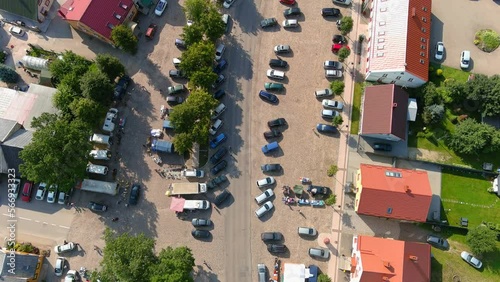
x,y
52,193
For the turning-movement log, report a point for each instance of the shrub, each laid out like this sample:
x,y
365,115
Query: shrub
x,y
431,69
343,54
487,40
8,75
337,120
462,117
331,200
439,72
337,87
332,170
324,278
476,41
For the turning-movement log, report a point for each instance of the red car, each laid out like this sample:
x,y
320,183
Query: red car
x,y
26,193
287,2
337,47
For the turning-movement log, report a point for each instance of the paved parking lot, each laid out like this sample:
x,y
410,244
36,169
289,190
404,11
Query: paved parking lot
x,y
455,24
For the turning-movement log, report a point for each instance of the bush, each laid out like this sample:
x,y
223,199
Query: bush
x,y
324,278
337,87
332,170
346,24
337,120
343,54
487,40
433,114
431,69
439,72
331,200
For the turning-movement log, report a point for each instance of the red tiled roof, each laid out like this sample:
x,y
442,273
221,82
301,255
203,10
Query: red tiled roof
x,y
419,17
385,110
99,15
391,259
407,197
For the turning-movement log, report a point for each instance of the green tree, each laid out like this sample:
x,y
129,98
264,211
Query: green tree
x,y
72,80
431,95
433,114
481,240
337,120
183,142
346,24
64,97
195,9
124,38
472,138
456,90
343,53
58,152
192,34
324,278
70,63
109,65
337,87
200,55
212,23
96,86
8,74
88,111
174,265
203,78
486,91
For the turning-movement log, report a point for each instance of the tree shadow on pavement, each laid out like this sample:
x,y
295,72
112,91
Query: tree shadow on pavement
x,y
203,273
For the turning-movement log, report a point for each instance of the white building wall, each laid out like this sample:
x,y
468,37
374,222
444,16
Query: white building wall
x,y
398,77
356,275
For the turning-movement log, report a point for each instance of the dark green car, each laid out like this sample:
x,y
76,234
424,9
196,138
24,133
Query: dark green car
x,y
176,89
268,22
274,86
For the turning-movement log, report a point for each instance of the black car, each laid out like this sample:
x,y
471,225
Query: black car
x,y
278,63
268,22
276,122
121,87
219,94
273,133
220,66
200,233
291,12
326,128
134,194
318,190
216,181
266,96
198,222
220,79
276,248
382,147
339,39
219,167
270,167
271,236
97,207
176,74
330,12
218,155
219,199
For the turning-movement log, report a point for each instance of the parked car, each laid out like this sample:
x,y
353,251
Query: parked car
x,y
271,147
220,79
121,87
275,74
269,22
323,93
227,4
174,100
219,94
276,248
151,31
26,192
291,23
333,73
179,88
176,74
176,62
200,233
61,198
330,12
273,133
160,7
266,207
270,167
226,19
180,43
262,272
215,127
219,51
382,147
278,63
438,242
268,181
214,143
318,190
470,259
307,231
336,47
329,114
97,207
221,65
264,196
326,128
268,97
332,104
15,30
291,12
287,2
51,196
219,199
217,156
41,191
332,65
59,249
134,194
200,222
282,49
271,236
59,266
319,253
339,39
465,59
13,187
276,122
220,166
342,2
274,86
216,181
439,51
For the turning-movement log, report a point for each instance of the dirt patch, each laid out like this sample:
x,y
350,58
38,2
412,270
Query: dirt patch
x,y
427,155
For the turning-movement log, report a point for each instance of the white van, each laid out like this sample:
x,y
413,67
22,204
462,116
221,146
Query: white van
x,y
215,127
100,139
193,173
196,205
97,169
219,110
100,155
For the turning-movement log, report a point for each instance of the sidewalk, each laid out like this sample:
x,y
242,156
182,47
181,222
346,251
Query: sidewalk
x,y
354,63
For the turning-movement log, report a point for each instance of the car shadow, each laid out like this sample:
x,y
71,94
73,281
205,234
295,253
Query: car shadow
x,y
286,55
296,29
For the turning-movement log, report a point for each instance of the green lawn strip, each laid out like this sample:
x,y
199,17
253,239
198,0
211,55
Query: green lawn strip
x,y
448,73
356,108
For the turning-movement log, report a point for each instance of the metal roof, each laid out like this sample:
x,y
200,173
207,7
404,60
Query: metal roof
x,y
23,8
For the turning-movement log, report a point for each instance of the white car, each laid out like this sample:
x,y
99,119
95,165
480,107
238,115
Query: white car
x,y
72,276
61,198
329,114
109,122
176,62
290,23
275,74
333,73
267,206
51,196
59,266
160,7
64,248
227,4
332,104
320,93
470,259
264,196
15,30
40,192
268,181
13,187
439,51
465,59
219,51
307,231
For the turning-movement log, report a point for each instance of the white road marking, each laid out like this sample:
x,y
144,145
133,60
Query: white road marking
x,y
37,221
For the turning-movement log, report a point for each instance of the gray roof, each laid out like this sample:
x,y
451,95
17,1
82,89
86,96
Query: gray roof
x,y
7,127
25,267
23,8
19,139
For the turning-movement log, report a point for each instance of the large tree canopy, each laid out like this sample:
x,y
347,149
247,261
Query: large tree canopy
x,y
70,63
481,240
109,65
203,78
212,23
96,86
124,38
57,153
197,56
472,138
195,9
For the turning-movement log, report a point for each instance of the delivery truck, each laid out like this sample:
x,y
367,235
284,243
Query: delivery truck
x,y
187,188
97,186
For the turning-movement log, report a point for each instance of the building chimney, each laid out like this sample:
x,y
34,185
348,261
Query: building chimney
x,y
395,105
414,258
407,188
413,12
387,264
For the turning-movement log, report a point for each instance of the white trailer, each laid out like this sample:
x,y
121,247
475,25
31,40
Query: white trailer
x,y
97,186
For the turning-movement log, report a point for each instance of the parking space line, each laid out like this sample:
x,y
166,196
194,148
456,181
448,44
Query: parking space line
x,y
37,221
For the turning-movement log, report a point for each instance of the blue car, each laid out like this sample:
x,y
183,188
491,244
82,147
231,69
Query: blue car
x,y
266,149
266,96
214,143
220,66
326,128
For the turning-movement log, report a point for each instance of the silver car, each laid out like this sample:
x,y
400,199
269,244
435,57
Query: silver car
x,y
267,206
307,231
319,253
261,270
329,114
323,93
333,73
332,104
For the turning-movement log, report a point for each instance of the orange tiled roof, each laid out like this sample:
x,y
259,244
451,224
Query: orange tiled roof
x,y
406,195
418,38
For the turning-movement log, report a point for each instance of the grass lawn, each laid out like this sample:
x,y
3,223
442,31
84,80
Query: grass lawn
x,y
356,108
448,73
466,195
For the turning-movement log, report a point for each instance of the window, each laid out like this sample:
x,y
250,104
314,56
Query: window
x,y
422,54
383,9
123,6
389,210
424,9
398,77
381,23
422,61
392,82
393,174
117,16
422,47
410,79
423,30
110,25
384,75
381,40
424,19
380,47
380,54
422,39
380,33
